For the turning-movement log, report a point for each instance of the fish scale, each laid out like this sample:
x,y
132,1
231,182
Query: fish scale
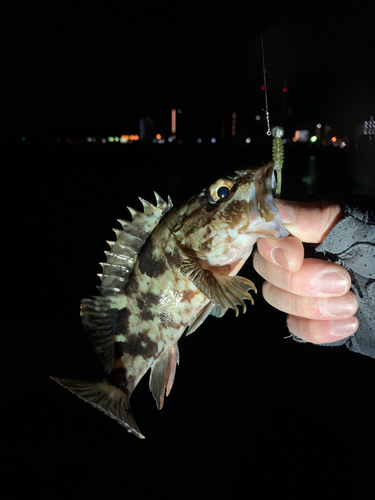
x,y
168,269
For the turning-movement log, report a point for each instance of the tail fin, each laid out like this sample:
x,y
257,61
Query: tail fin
x,y
106,398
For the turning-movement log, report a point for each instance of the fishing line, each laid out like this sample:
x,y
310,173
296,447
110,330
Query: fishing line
x,y
265,89
277,133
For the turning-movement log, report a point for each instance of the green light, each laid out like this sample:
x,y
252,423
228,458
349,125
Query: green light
x,y
23,138
313,138
110,139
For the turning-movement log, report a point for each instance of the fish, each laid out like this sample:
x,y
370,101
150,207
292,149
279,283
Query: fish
x,y
168,270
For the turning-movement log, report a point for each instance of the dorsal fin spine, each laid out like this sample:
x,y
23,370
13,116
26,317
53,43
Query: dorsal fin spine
x,y
148,208
160,203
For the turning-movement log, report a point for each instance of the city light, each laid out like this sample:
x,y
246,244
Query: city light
x,y
213,140
257,118
313,138
319,125
248,140
368,127
333,139
285,89
158,136
199,140
173,121
296,136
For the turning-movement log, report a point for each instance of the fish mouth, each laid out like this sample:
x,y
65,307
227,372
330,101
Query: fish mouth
x,y
261,203
263,186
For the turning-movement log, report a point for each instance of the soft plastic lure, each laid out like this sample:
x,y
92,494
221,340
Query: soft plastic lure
x,y
278,156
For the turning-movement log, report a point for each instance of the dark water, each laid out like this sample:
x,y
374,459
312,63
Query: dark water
x,y
248,410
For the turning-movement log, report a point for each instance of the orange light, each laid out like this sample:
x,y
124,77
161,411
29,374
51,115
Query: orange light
x,y
334,139
173,121
158,136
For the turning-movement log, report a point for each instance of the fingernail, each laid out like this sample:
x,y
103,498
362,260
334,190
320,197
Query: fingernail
x,y
333,282
280,258
345,327
287,211
341,306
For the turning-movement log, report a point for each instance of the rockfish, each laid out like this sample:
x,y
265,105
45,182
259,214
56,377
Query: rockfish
x,y
167,271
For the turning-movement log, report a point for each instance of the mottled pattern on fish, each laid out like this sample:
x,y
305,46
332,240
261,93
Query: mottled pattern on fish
x,y
168,270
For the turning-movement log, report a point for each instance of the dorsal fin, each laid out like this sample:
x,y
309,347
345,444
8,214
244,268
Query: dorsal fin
x,y
99,313
99,319
123,254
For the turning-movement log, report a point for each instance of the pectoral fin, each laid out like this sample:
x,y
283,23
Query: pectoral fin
x,y
218,311
224,291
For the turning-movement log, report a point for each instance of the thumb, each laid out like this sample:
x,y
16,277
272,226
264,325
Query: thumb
x,y
309,222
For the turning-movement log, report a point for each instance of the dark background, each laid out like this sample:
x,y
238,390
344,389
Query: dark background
x,y
250,413
92,67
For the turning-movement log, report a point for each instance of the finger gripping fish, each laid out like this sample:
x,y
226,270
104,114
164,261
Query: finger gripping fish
x,y
167,271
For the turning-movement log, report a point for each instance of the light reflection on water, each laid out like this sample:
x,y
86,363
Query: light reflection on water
x,y
310,179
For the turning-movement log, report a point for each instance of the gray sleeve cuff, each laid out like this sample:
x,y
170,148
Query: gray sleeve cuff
x,y
351,244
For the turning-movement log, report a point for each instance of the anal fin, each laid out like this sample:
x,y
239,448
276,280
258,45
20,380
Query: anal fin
x,y
162,375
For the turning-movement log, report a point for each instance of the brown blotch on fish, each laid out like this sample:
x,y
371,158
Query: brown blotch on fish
x,y
148,264
122,320
233,214
173,258
132,287
188,295
146,314
117,377
137,344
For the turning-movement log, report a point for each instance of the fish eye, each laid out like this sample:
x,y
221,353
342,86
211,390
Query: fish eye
x,y
223,192
220,190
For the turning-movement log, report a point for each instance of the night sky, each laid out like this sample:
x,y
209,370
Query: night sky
x,y
72,67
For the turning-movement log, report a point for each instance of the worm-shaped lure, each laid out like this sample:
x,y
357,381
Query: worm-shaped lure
x,y
278,155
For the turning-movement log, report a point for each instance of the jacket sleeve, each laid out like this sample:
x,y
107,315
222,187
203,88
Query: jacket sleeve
x,y
351,244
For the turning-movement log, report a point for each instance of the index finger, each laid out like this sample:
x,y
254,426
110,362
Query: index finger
x,y
309,222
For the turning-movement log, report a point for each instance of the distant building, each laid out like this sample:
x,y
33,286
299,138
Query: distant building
x,y
147,130
367,127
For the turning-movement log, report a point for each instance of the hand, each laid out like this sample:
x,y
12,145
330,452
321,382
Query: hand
x,y
315,293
